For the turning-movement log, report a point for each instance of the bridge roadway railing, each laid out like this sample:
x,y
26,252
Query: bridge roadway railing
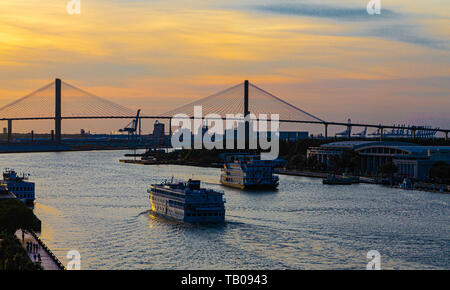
x,y
325,123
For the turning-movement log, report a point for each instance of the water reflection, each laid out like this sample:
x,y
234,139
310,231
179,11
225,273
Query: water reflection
x,y
90,202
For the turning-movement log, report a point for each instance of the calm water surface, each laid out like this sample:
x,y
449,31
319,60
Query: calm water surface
x,y
90,202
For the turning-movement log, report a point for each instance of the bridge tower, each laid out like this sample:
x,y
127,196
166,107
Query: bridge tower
x,y
57,110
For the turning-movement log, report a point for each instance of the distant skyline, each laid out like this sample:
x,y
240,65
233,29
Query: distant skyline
x,y
329,58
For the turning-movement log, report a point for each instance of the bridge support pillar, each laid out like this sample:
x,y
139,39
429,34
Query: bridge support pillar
x,y
349,132
414,133
9,131
326,132
381,133
32,136
58,110
446,136
246,113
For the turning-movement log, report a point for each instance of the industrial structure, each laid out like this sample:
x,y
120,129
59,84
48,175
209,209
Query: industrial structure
x,y
132,127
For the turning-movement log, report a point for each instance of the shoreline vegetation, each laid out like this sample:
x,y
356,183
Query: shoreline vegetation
x,y
14,215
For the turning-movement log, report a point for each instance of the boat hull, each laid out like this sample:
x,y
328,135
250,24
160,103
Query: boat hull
x,y
250,186
192,220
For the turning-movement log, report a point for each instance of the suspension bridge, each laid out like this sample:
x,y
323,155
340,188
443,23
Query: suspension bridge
x,y
59,101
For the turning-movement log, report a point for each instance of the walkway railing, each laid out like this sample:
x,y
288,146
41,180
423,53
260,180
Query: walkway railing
x,y
49,252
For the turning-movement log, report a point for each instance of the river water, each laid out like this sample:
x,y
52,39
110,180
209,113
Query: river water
x,y
91,203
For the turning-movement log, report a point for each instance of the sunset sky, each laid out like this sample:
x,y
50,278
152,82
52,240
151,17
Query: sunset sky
x,y
329,58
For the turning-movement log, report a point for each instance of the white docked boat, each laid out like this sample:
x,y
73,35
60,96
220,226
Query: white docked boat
x,y
187,202
18,185
248,172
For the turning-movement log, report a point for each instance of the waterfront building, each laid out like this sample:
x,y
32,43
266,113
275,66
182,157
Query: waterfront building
x,y
291,136
413,161
417,165
325,151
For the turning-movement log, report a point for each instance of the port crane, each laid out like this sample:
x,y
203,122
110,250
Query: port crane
x,y
132,127
347,132
403,131
361,134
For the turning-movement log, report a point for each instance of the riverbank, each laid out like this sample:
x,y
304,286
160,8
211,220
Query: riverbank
x,y
169,162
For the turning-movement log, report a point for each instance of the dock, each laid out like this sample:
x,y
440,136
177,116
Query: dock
x,y
362,179
48,260
141,162
302,173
